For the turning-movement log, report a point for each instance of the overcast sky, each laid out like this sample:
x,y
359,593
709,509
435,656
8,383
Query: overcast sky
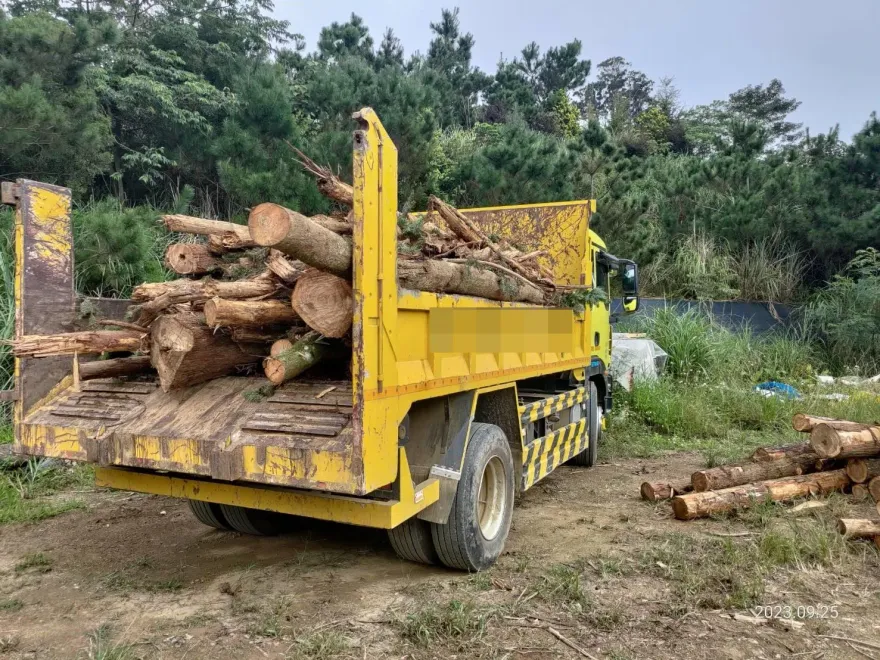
x,y
825,53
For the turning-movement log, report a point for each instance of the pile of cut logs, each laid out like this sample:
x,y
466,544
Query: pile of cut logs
x,y
840,456
278,292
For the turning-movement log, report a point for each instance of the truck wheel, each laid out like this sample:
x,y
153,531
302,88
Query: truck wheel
x,y
208,514
474,536
588,456
412,541
251,521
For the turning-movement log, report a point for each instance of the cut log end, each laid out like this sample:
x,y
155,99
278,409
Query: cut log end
x,y
656,491
268,224
859,493
190,259
858,527
825,440
325,302
874,489
279,347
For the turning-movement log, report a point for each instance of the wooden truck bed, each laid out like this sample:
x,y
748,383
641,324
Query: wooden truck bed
x,y
211,430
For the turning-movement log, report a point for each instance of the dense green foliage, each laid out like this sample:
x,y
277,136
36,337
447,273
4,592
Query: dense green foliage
x,y
115,99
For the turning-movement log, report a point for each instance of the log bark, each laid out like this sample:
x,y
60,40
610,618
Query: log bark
x,y
763,454
127,366
280,346
465,229
874,489
329,184
166,294
87,342
186,352
286,270
190,259
806,423
229,241
325,302
301,238
304,354
463,279
727,476
861,470
858,528
701,505
248,313
188,224
246,335
656,491
333,224
859,493
828,442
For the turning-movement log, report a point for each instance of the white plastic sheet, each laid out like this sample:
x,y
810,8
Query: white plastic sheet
x,y
635,358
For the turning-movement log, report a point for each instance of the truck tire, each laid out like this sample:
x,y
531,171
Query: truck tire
x,y
588,456
412,541
474,535
251,521
208,514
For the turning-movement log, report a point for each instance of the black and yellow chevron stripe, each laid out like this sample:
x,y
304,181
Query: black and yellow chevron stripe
x,y
545,407
545,454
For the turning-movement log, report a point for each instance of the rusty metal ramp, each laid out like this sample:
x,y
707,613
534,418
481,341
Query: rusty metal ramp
x,y
228,428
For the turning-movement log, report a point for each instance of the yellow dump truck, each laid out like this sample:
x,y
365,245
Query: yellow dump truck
x,y
455,405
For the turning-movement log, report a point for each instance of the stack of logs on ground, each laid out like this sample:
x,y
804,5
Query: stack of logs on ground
x,y
277,293
840,456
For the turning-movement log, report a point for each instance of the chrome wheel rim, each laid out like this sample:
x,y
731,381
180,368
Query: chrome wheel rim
x,y
491,500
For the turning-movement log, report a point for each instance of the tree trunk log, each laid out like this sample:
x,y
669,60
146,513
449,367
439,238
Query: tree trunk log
x,y
186,352
858,528
859,493
127,366
463,279
861,470
165,294
245,335
229,241
727,476
304,354
656,491
763,454
190,259
248,313
874,489
806,423
91,341
299,237
828,442
333,224
325,302
286,270
280,346
328,183
188,224
701,505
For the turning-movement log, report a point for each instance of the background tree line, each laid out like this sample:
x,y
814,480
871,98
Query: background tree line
x,y
190,104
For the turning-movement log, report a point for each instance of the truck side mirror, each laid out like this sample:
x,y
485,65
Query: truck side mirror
x,y
629,284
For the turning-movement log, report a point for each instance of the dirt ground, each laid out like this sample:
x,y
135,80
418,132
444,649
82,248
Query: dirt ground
x,y
135,576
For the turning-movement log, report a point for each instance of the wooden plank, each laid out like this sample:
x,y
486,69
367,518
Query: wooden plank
x,y
115,386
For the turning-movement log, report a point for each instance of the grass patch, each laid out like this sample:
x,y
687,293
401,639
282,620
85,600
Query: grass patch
x,y
102,646
35,560
11,605
25,491
730,573
318,645
457,621
130,579
271,620
561,586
